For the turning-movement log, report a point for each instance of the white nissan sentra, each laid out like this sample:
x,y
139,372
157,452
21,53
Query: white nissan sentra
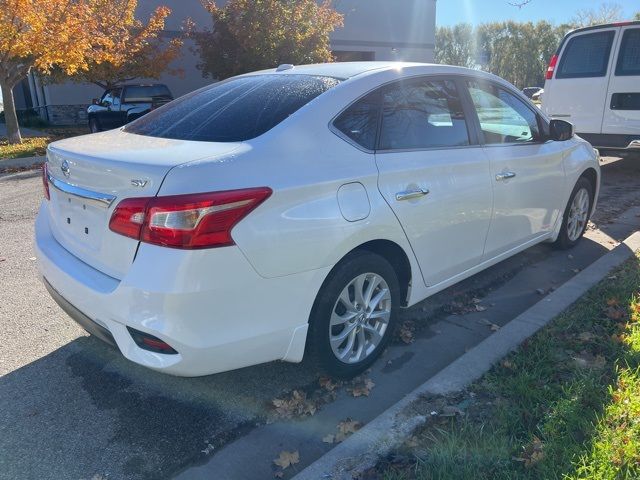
x,y
293,212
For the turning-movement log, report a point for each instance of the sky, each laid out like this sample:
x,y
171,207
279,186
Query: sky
x,y
450,12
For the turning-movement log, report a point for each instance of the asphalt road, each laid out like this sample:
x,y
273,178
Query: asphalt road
x,y
72,408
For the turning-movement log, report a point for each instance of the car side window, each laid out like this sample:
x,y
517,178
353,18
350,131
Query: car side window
x,y
423,113
629,56
359,122
107,98
115,93
586,56
503,117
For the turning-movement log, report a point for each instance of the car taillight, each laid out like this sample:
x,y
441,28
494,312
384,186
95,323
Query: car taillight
x,y
552,67
201,220
45,181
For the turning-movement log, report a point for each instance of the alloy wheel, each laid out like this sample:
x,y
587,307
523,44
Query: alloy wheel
x,y
360,318
578,214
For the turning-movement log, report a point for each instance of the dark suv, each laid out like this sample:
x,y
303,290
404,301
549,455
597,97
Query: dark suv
x,y
120,105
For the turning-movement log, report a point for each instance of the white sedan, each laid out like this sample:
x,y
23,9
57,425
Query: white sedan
x,y
294,211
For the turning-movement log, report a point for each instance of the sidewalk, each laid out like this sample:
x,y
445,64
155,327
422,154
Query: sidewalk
x,y
25,132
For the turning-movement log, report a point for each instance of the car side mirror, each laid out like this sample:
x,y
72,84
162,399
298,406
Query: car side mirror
x,y
559,130
95,101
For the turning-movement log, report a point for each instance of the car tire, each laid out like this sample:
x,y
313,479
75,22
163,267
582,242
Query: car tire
x,y
94,126
347,330
576,215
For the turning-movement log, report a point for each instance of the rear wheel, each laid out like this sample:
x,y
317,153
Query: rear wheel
x,y
576,215
94,126
353,317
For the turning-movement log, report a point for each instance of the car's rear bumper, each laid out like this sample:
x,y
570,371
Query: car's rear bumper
x,y
209,305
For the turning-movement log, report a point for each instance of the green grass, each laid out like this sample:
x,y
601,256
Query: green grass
x,y
30,147
565,406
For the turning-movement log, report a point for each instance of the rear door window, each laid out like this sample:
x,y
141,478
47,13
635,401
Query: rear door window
x,y
629,56
233,110
421,114
586,56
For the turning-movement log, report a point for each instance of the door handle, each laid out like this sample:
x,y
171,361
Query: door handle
x,y
411,194
504,176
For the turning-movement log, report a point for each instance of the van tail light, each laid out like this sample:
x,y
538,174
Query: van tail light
x,y
552,67
201,220
45,181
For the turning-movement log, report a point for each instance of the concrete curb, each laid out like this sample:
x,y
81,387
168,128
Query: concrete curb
x,y
24,162
389,429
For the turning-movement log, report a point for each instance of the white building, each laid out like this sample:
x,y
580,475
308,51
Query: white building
x,y
373,30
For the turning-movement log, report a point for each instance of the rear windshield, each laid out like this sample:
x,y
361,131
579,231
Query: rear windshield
x,y
145,93
234,110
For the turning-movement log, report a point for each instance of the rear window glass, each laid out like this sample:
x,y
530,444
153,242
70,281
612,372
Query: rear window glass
x,y
586,56
629,57
359,122
234,110
140,93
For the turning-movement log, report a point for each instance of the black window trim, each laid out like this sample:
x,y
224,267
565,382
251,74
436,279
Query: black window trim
x,y
618,70
558,73
543,125
468,108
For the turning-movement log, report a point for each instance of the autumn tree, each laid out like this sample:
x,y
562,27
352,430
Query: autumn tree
x,y
41,35
606,13
256,34
134,50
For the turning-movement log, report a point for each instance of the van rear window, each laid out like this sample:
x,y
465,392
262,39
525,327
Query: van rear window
x,y
233,110
629,57
586,56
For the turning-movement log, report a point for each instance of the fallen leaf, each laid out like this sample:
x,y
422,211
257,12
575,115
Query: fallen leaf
x,y
480,308
532,453
296,404
286,459
361,387
347,428
406,331
614,313
507,364
279,474
494,327
328,384
612,302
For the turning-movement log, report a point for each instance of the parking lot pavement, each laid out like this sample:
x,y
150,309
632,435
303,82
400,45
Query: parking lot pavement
x,y
72,408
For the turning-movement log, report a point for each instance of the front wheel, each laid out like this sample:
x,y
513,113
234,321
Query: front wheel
x,y
576,215
353,316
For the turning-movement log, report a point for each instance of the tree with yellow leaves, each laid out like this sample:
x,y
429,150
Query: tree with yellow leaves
x,y
40,34
87,39
254,34
135,50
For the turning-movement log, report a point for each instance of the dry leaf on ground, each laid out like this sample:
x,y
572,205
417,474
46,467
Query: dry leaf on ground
x,y
532,453
406,332
361,387
344,429
296,404
286,459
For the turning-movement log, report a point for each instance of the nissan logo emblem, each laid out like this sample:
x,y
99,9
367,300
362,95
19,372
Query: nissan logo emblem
x,y
65,168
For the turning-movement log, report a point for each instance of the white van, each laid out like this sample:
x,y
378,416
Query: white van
x,y
593,81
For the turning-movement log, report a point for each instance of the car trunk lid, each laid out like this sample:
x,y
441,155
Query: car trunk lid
x,y
90,175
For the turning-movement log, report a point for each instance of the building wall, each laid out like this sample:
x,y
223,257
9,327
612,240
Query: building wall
x,y
402,30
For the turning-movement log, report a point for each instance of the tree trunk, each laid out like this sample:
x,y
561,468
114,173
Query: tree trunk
x,y
10,117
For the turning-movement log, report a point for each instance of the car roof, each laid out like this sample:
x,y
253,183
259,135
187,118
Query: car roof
x,y
345,70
